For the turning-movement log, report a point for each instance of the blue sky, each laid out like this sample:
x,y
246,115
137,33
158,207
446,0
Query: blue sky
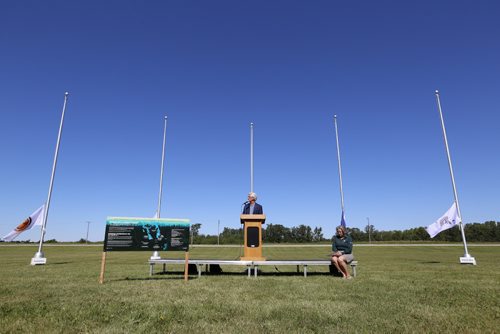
x,y
215,66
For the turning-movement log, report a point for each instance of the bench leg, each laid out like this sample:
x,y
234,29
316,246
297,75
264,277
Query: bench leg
x,y
255,268
298,269
249,270
305,270
199,270
353,270
164,268
151,269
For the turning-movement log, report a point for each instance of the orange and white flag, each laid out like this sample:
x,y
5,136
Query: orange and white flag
x,y
36,218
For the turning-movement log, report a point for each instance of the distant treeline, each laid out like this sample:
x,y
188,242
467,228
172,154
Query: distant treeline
x,y
272,233
474,232
276,233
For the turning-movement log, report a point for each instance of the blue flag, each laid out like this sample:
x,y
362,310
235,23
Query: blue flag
x,y
342,219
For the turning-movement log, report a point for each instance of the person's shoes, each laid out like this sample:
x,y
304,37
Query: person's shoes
x,y
348,277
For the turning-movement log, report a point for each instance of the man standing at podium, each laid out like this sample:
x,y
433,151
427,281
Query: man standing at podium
x,y
251,207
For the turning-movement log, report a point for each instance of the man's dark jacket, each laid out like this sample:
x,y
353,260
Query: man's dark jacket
x,y
257,209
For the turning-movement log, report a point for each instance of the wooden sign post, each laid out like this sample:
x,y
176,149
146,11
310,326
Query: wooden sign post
x,y
103,267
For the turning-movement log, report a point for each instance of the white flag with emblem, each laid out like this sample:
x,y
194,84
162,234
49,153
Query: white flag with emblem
x,y
36,218
448,220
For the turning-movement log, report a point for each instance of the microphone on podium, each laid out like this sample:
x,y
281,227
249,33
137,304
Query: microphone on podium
x,y
243,205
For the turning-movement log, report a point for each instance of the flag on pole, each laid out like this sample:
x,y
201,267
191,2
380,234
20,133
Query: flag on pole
x,y
342,219
36,218
447,221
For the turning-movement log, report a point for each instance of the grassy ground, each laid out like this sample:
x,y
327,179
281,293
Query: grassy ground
x,y
398,289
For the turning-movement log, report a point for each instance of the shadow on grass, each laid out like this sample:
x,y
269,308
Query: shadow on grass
x,y
430,262
289,273
175,276
56,263
244,273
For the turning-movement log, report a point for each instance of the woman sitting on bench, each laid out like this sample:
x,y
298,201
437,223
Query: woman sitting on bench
x,y
342,251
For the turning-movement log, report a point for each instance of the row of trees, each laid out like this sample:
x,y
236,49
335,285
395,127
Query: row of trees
x,y
273,233
276,233
475,232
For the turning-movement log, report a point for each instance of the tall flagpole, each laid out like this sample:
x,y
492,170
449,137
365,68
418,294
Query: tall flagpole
x,y
466,259
340,167
251,157
39,257
87,238
156,254
162,168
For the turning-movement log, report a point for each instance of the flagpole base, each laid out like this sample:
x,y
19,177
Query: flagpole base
x,y
467,259
38,259
155,256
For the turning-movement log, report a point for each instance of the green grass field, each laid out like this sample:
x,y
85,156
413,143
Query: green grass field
x,y
398,289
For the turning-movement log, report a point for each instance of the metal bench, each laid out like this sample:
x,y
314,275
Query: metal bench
x,y
249,264
199,264
298,263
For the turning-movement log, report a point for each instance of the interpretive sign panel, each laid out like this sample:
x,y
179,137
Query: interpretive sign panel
x,y
150,234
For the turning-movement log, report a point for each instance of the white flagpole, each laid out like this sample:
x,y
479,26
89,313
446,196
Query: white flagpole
x,y
39,257
87,238
340,167
466,259
156,254
251,157
162,168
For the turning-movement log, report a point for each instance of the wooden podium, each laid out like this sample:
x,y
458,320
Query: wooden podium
x,y
253,237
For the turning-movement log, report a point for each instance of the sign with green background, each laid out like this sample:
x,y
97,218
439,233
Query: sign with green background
x,y
149,234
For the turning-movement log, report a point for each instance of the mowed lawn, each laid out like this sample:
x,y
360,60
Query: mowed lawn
x,y
398,289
